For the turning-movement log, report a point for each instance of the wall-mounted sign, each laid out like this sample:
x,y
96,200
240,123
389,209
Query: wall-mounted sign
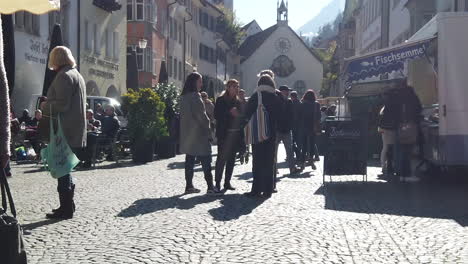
x,y
102,74
103,63
37,52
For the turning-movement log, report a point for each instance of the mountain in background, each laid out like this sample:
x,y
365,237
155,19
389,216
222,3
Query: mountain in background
x,y
326,15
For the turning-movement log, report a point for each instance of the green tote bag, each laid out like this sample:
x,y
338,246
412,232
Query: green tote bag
x,y
58,158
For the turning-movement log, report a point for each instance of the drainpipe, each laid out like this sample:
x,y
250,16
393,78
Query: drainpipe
x,y
185,41
168,35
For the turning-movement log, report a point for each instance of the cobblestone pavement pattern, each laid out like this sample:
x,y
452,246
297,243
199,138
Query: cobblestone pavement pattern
x,y
137,214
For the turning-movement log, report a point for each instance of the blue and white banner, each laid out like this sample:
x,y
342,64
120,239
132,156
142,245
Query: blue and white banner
x,y
384,61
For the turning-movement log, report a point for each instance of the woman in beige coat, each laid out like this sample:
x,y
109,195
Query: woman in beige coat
x,y
195,134
67,96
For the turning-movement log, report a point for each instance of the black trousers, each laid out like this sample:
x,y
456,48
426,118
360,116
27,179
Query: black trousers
x,y
296,144
189,166
307,147
263,166
227,150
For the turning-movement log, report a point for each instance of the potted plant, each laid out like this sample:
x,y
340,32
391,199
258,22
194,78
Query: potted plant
x,y
166,145
145,112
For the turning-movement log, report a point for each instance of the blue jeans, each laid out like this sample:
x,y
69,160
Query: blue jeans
x,y
206,165
403,159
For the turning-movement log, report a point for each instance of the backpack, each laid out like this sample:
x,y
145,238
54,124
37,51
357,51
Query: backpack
x,y
258,129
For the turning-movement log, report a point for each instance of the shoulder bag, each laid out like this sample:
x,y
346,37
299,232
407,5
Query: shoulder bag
x,y
11,235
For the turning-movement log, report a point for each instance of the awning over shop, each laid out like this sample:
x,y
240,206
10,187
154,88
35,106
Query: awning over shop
x,y
32,6
385,60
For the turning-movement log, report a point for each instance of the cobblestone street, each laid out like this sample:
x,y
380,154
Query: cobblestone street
x,y
137,214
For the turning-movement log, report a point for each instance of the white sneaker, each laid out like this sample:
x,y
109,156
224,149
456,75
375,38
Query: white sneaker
x,y
413,179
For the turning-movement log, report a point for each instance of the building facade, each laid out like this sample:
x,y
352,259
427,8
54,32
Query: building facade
x,y
146,22
102,47
280,49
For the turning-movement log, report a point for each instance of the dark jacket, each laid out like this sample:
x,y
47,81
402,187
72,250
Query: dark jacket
x,y
285,121
309,117
271,101
224,120
296,107
110,126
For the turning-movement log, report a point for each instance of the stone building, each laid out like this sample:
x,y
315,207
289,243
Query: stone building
x,y
280,49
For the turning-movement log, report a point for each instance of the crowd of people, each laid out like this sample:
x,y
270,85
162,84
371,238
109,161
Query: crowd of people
x,y
292,121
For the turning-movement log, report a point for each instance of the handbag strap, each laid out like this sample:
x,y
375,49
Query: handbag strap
x,y
6,190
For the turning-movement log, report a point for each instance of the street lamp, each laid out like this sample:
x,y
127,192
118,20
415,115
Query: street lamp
x,y
142,43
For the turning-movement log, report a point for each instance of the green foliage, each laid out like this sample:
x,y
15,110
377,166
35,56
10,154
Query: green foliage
x,y
169,94
330,68
229,27
145,112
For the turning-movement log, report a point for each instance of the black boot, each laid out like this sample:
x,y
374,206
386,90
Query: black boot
x,y
61,198
66,208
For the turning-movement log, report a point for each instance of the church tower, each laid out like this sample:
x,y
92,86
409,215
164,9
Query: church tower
x,y
282,13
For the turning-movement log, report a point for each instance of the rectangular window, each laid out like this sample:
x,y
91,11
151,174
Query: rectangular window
x,y
87,36
19,19
200,17
149,11
116,45
200,51
140,10
154,62
108,43
466,5
169,66
140,58
175,68
175,30
129,10
180,34
181,77
148,60
171,28
97,44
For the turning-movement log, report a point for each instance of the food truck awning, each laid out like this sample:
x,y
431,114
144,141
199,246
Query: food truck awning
x,y
32,6
384,60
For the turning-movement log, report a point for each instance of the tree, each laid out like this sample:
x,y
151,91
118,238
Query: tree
x,y
229,27
330,69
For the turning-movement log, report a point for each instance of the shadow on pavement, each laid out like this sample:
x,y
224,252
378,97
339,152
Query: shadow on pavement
x,y
444,201
32,226
233,205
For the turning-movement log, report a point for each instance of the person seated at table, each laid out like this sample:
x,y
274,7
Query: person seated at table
x,y
93,124
110,122
110,127
100,114
25,118
35,121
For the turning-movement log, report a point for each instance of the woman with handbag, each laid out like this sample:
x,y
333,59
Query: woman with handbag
x,y
195,133
66,99
263,108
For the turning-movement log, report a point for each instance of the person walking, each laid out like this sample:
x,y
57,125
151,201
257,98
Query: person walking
x,y
228,133
263,168
387,128
195,135
309,125
284,128
67,96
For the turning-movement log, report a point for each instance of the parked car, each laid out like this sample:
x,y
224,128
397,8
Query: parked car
x,y
92,102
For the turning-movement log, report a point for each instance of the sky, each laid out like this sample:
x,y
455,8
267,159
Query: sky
x,y
264,11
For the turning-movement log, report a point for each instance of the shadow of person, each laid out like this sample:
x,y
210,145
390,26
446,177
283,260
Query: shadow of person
x,y
28,227
234,206
245,176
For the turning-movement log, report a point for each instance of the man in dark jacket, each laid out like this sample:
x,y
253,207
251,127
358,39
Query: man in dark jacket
x,y
296,107
284,128
109,127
